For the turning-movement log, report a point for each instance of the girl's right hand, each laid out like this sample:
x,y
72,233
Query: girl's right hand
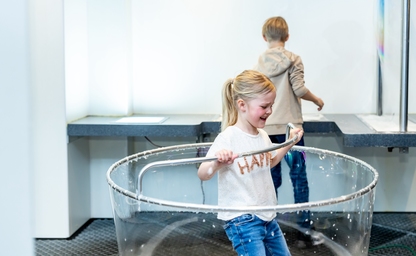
x,y
207,169
225,156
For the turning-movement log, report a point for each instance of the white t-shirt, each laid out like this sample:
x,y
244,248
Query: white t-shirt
x,y
248,181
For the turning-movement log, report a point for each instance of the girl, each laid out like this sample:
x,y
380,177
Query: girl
x,y
247,103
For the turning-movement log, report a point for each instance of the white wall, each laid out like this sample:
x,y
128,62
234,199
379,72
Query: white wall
x,y
185,50
162,56
109,57
137,56
16,151
98,58
76,59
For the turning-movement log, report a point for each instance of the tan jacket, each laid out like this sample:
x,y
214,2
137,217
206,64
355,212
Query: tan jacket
x,y
285,70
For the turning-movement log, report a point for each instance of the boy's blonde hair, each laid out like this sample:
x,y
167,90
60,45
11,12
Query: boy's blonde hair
x,y
247,85
275,29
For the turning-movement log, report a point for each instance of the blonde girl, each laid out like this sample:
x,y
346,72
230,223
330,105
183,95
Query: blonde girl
x,y
246,181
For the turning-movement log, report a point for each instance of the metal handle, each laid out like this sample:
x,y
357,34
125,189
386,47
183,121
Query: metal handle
x,y
288,127
207,159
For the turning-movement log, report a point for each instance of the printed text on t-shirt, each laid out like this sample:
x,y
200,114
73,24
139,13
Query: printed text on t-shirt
x,y
260,160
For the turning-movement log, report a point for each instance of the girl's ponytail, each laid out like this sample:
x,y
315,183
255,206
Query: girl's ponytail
x,y
229,111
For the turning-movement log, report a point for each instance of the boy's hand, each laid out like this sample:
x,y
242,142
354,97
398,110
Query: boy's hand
x,y
320,103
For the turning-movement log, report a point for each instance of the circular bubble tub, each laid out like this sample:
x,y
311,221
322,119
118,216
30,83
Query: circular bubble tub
x,y
161,207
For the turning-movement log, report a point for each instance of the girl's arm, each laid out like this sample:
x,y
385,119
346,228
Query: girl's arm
x,y
207,169
281,152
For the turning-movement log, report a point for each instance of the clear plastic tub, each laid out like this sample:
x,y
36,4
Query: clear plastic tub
x,y
162,208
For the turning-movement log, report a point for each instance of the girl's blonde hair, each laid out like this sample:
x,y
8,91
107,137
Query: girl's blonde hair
x,y
247,85
275,29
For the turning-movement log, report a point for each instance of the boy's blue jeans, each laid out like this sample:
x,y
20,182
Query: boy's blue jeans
x,y
251,236
296,162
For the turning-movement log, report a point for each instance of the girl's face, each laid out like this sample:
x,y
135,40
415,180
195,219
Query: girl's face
x,y
257,110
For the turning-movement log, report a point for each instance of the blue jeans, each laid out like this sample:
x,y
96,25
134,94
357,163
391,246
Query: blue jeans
x,y
296,162
252,236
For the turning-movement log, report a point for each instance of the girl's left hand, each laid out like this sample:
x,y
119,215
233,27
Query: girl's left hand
x,y
298,132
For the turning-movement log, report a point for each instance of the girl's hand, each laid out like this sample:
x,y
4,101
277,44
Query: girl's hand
x,y
281,152
296,131
225,156
207,169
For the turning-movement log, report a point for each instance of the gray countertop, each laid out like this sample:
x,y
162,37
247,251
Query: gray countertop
x,y
173,126
354,129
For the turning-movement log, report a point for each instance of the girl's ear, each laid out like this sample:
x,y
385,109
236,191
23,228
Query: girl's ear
x,y
241,105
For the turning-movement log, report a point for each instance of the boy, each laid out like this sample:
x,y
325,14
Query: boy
x,y
285,70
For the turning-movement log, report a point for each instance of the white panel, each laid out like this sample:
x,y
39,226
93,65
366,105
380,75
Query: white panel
x,y
397,172
336,40
185,50
16,191
104,151
392,57
49,121
76,59
412,60
109,57
79,183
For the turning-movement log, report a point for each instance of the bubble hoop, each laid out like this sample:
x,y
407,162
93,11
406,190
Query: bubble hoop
x,y
216,208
